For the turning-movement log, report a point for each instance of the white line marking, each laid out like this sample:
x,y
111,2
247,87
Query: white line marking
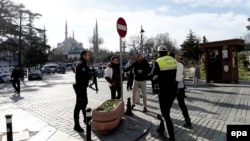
x,y
122,27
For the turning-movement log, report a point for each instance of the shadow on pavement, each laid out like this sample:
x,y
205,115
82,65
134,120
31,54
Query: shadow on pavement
x,y
130,128
16,97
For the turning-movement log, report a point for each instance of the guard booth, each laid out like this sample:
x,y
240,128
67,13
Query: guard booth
x,y
221,60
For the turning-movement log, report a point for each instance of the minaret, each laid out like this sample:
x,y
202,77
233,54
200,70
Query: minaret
x,y
96,30
96,37
73,35
95,42
66,31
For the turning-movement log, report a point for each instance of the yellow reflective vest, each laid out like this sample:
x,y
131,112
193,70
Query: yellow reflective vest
x,y
166,63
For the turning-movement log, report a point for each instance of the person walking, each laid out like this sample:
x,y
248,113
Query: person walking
x,y
165,74
130,75
181,93
16,77
155,87
141,70
82,77
112,76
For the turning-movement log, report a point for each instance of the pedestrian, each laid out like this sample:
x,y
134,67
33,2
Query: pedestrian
x,y
112,76
181,94
181,60
82,77
141,70
155,87
165,74
22,70
16,77
130,75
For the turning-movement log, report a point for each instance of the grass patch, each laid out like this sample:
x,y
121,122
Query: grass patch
x,y
244,75
108,105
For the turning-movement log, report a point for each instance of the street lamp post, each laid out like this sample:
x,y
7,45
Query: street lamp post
x,y
142,31
20,40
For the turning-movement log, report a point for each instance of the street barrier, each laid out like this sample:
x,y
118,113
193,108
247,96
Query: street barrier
x,y
9,127
195,81
88,124
129,109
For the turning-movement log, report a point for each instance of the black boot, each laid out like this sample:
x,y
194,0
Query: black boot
x,y
77,126
78,129
188,125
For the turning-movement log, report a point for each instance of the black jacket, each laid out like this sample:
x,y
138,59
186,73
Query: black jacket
x,y
139,65
16,74
83,73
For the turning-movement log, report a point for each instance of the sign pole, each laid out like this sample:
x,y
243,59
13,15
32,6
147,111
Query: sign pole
x,y
121,27
121,76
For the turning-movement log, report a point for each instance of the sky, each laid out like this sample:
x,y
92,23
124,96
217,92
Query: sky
x,y
215,19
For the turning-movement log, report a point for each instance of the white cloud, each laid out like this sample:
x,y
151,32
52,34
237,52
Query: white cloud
x,y
212,3
214,26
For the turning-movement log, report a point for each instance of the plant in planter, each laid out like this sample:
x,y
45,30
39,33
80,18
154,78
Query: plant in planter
x,y
107,116
108,105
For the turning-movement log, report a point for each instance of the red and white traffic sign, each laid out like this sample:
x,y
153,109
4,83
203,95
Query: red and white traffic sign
x,y
121,27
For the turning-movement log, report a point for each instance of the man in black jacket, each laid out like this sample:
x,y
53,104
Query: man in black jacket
x,y
141,69
82,78
15,77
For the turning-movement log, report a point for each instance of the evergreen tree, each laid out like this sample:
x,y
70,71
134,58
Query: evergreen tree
x,y
190,47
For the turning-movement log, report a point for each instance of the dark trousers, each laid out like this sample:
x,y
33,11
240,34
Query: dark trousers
x,y
113,92
16,85
166,99
182,105
130,80
81,103
155,87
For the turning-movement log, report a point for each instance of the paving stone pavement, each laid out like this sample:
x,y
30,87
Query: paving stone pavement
x,y
211,107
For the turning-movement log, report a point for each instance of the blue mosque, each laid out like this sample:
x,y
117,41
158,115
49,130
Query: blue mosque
x,y
69,47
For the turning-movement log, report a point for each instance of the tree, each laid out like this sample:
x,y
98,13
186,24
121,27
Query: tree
x,y
18,31
151,44
96,41
134,44
190,48
8,17
164,39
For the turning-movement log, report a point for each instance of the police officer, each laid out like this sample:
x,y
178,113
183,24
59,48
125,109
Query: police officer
x,y
82,77
165,74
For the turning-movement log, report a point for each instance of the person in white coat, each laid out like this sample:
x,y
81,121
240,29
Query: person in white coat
x,y
181,94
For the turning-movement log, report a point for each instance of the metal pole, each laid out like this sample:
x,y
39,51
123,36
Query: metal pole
x,y
20,40
9,127
142,44
121,76
88,123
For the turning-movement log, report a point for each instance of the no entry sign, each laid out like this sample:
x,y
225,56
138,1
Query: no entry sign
x,y
121,27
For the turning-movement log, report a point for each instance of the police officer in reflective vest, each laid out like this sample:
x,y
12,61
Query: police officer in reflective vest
x,y
165,75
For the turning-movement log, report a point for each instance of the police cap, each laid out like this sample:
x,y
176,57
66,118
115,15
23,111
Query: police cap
x,y
162,48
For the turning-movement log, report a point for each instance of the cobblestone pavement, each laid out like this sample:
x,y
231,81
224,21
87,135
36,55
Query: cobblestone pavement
x,y
211,106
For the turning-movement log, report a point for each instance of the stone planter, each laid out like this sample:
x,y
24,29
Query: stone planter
x,y
107,120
